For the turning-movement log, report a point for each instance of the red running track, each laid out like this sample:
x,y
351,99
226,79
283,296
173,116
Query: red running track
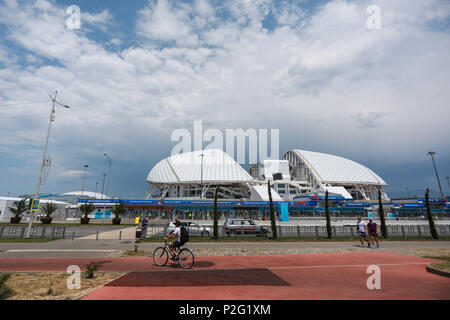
x,y
268,277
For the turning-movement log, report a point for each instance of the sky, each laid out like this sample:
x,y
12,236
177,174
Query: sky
x,y
137,70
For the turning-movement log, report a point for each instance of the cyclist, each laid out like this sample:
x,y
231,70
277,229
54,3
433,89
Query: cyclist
x,y
177,243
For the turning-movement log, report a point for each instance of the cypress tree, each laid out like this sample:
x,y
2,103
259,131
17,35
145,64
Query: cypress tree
x,y
384,230
327,214
433,231
272,213
216,215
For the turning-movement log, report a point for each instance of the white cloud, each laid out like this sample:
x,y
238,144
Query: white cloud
x,y
318,76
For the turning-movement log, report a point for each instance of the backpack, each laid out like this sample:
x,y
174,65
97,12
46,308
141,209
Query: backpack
x,y
184,235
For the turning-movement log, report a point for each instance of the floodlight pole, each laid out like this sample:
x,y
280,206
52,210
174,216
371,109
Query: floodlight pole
x,y
431,153
52,118
109,173
84,179
201,176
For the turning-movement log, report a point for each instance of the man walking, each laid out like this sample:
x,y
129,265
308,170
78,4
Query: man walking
x,y
373,232
361,228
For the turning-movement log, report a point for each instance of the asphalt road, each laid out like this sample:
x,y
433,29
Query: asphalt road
x,y
109,248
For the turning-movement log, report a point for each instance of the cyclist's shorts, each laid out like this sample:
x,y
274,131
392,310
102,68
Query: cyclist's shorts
x,y
176,244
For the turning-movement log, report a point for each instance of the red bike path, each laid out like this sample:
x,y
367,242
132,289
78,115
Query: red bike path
x,y
267,277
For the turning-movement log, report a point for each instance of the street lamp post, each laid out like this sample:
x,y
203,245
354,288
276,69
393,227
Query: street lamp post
x,y
52,118
201,176
96,185
109,173
103,185
407,191
84,179
431,153
447,178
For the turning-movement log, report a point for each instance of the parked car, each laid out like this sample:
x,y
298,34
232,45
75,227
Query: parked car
x,y
244,226
193,228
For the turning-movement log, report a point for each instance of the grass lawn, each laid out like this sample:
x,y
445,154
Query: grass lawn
x,y
35,285
29,240
291,239
444,265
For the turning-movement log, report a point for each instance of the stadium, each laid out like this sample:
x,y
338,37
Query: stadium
x,y
300,174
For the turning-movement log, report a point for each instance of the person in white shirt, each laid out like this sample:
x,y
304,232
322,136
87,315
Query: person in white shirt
x,y
361,228
177,243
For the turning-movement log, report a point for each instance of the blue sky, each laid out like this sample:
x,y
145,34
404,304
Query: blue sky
x,y
137,70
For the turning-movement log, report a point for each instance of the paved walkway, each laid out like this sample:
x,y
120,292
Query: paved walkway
x,y
124,234
287,277
269,277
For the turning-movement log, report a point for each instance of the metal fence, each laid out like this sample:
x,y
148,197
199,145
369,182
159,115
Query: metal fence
x,y
321,231
35,232
159,230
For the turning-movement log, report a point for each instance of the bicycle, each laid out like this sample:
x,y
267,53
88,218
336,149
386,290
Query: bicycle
x,y
185,256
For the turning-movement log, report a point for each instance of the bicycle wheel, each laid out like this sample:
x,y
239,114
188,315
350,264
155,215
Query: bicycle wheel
x,y
160,256
186,258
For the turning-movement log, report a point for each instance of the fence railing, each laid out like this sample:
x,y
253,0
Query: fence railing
x,y
159,230
35,232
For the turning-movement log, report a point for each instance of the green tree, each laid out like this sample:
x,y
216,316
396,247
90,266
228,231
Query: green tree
x,y
216,215
49,208
384,230
87,208
20,207
433,231
327,214
272,213
118,210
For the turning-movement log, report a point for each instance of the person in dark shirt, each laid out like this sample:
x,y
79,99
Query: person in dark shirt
x,y
373,233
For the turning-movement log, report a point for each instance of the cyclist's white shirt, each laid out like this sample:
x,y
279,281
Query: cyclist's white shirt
x,y
177,232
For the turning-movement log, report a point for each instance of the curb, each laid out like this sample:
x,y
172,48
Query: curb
x,y
94,289
438,272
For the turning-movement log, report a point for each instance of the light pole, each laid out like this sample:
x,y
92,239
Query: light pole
x,y
431,153
109,173
52,118
201,176
96,184
407,191
103,185
84,179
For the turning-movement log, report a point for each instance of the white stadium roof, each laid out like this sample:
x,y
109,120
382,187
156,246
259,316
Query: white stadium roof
x,y
334,169
218,167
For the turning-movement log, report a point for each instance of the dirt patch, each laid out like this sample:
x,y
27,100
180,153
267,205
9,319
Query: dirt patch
x,y
35,286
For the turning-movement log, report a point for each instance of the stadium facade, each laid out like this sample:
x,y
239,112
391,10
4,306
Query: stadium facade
x,y
300,173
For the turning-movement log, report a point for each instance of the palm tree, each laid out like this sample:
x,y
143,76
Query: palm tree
x,y
272,213
118,210
48,209
433,231
384,230
86,208
18,209
216,219
327,214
